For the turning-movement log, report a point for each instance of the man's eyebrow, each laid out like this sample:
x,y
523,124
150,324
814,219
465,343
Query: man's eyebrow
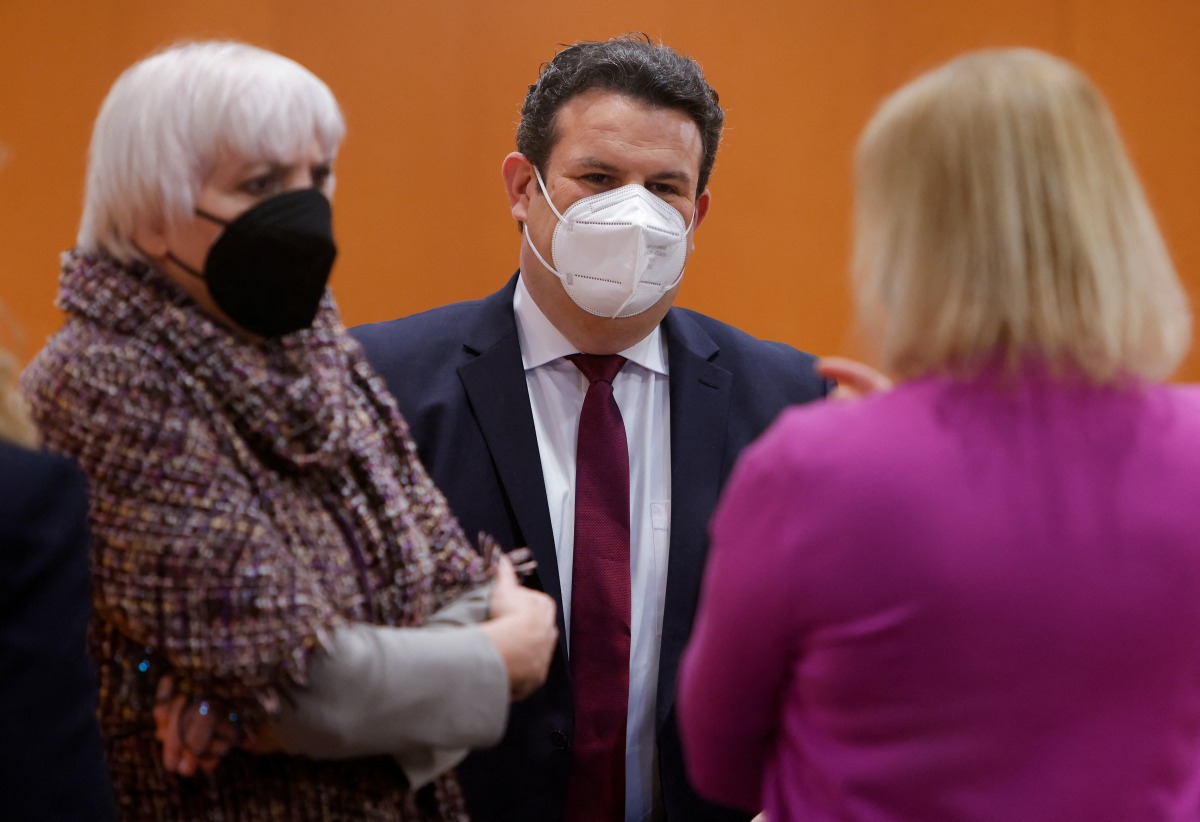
x,y
679,176
597,164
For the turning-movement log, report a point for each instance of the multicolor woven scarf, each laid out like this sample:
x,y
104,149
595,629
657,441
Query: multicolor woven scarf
x,y
246,498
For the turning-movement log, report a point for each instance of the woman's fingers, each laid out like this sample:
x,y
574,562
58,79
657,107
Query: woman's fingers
x,y
854,379
188,733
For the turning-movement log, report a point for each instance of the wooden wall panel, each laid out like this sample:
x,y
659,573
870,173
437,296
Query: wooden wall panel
x,y
432,92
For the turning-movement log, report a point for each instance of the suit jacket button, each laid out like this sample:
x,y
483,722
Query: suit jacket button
x,y
559,740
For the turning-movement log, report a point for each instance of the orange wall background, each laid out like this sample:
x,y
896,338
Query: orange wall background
x,y
432,91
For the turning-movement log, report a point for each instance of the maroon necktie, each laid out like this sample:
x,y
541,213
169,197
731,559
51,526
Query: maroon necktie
x,y
600,600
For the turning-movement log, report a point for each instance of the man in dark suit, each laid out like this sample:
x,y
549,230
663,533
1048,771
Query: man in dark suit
x,y
51,757
616,143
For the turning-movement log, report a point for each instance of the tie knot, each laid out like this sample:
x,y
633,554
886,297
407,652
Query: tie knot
x,y
602,367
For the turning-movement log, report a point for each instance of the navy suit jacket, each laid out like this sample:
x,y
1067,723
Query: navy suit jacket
x,y
51,758
457,375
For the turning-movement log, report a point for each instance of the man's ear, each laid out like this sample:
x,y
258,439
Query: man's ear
x,y
701,211
702,204
520,184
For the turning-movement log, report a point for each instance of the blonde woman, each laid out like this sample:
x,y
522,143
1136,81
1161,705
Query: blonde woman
x,y
976,596
51,759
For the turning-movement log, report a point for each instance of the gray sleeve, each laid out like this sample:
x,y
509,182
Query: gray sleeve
x,y
423,695
469,609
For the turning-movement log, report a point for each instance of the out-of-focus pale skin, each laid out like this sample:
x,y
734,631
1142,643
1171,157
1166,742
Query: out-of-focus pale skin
x,y
854,379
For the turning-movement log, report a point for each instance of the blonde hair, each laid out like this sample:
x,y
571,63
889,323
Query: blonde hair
x,y
170,117
16,425
999,218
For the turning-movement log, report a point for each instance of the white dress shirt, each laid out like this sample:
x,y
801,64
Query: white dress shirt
x,y
556,392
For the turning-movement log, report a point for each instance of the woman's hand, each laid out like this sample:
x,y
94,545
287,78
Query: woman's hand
x,y
523,629
854,379
195,736
189,732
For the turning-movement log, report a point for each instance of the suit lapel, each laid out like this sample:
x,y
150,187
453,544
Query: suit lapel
x,y
700,394
494,380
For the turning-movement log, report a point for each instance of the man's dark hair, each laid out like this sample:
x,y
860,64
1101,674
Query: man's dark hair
x,y
631,65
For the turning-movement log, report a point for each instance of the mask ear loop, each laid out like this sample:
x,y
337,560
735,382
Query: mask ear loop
x,y
568,279
686,239
546,194
198,274
538,254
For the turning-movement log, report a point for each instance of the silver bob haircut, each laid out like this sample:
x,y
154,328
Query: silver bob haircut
x,y
171,117
998,219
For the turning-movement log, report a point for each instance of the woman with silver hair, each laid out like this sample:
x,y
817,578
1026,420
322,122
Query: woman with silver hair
x,y
976,596
264,536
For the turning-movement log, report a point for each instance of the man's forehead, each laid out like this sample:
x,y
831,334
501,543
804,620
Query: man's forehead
x,y
606,130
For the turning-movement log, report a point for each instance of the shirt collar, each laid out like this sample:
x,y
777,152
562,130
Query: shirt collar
x,y
542,343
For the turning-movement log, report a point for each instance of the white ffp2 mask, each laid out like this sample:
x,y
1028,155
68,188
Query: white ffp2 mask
x,y
617,252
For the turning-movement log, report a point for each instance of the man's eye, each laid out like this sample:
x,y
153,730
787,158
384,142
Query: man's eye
x,y
597,179
663,189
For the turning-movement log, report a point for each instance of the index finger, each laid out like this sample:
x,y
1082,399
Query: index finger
x,y
854,379
504,572
197,724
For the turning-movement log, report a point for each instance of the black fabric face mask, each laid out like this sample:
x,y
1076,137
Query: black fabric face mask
x,y
269,268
